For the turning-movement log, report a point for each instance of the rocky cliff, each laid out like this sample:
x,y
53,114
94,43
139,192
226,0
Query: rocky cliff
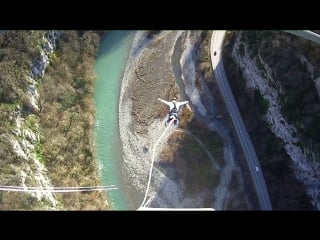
x,y
21,140
47,119
280,73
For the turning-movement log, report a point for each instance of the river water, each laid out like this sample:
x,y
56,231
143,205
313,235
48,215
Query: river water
x,y
109,66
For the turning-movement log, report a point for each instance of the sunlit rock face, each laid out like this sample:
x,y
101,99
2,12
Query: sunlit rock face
x,y
306,168
42,62
26,136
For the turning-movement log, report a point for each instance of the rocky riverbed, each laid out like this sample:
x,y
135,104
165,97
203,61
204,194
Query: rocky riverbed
x,y
189,162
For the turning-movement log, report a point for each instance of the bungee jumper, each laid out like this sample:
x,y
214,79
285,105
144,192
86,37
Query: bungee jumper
x,y
174,108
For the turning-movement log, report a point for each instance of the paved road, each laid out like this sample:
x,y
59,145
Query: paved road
x,y
306,34
251,156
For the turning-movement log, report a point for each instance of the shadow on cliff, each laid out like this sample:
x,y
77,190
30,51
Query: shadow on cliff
x,y
113,45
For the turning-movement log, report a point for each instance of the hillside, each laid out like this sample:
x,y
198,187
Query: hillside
x,y
47,117
274,76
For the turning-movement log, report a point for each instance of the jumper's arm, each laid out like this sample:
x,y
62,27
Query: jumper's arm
x,y
164,101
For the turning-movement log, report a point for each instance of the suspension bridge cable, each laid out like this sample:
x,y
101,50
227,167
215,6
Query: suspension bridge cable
x,y
56,189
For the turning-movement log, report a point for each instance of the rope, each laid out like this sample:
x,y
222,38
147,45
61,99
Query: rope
x,y
151,167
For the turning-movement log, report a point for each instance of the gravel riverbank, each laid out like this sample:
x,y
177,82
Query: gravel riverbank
x,y
138,137
180,178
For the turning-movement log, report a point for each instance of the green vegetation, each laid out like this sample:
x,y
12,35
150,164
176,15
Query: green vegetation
x,y
68,100
242,51
312,131
204,57
262,103
39,152
16,54
67,118
299,98
211,140
199,165
254,40
261,67
190,158
32,122
299,103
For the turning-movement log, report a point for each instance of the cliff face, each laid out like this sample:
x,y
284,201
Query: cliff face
x,y
21,154
282,71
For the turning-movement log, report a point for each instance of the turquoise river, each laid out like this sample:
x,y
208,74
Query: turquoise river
x,y
109,66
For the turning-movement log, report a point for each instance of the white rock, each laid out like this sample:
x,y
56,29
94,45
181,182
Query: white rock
x,y
303,165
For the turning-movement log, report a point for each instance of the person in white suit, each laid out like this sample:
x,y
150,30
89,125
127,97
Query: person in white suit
x,y
174,108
